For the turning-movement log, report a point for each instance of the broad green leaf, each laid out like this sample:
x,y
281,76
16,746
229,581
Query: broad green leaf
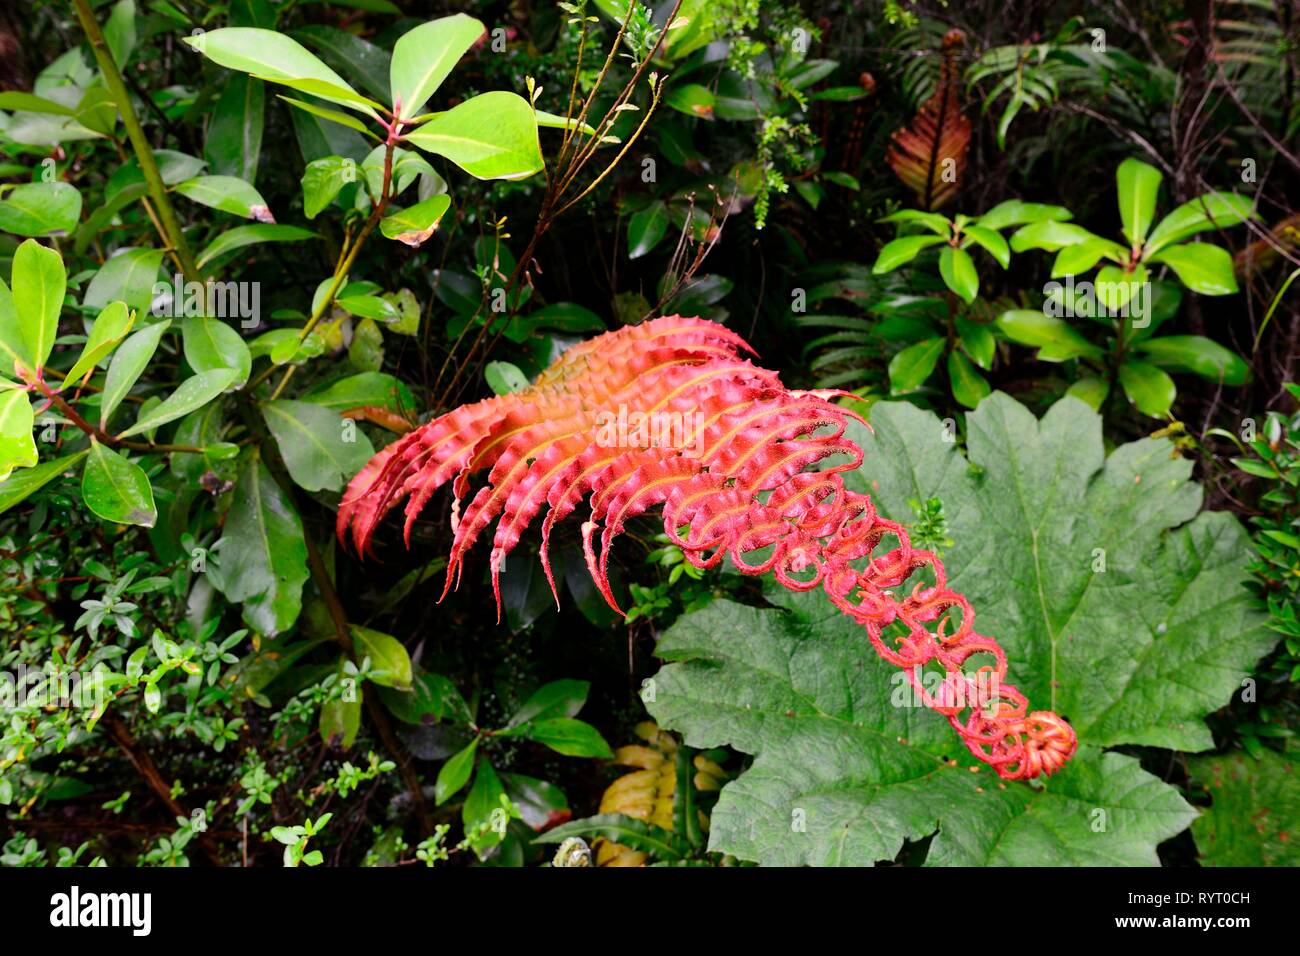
x,y
333,116
129,363
935,222
561,698
1091,390
1197,354
13,345
1055,337
119,32
968,386
263,557
1202,267
374,389
1048,235
210,344
423,57
130,277
320,449
1150,390
116,489
977,339
417,223
234,142
835,734
193,393
17,101
340,720
273,56
483,805
1115,287
322,180
991,242
899,251
17,446
366,351
909,369
1255,803
1013,212
1211,211
958,272
692,99
38,286
491,136
241,236
1138,185
22,484
407,166
111,326
391,665
173,166
564,735
556,121
646,228
431,698
504,377
454,774
40,209
369,307
1079,258
362,61
227,194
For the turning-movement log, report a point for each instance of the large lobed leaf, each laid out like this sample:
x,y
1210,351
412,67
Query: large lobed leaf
x,y
846,767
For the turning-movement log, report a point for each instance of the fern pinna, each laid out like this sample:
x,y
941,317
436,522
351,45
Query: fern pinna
x,y
670,413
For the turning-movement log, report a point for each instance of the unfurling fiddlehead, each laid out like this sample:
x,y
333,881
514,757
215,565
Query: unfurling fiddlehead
x,y
670,413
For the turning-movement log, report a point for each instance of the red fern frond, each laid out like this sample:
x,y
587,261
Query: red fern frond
x,y
929,154
669,414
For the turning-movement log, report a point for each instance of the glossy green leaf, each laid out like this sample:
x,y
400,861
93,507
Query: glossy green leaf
x,y
111,326
1055,337
902,250
1212,211
1048,235
504,378
1138,185
193,393
1013,212
958,272
130,277
129,363
968,386
977,339
423,57
241,236
17,446
1090,389
233,145
991,242
417,223
1150,390
565,735
40,209
211,344
22,484
909,369
490,136
38,286
322,180
561,698
455,773
1199,355
116,489
227,194
320,449
646,228
1200,266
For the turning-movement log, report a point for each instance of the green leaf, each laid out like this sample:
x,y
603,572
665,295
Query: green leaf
x,y
1138,184
110,327
263,555
692,99
363,62
1056,338
366,352
117,490
417,223
193,393
836,735
1013,212
977,339
454,774
902,250
325,113
241,236
391,665
234,142
39,283
1091,390
1049,235
1079,258
646,228
561,698
322,180
210,344
968,386
273,56
129,363
482,806
1255,803
130,277
1202,267
22,484
40,209
423,57
958,272
1150,390
227,194
431,696
340,720
17,446
935,222
504,378
1212,211
320,449
909,369
1197,354
365,389
490,136
16,101
573,738
992,243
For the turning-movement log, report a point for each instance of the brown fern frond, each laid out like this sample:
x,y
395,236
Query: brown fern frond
x,y
669,414
929,154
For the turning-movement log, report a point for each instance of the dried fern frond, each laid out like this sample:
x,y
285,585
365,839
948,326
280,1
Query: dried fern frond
x,y
669,413
929,154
